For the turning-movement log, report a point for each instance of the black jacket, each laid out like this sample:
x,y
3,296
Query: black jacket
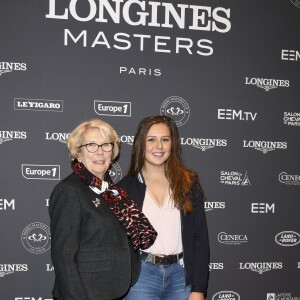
x,y
194,232
89,247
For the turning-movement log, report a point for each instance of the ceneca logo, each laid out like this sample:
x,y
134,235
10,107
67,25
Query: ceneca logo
x,y
260,267
226,295
232,114
262,208
216,266
267,84
176,108
208,206
112,108
7,204
264,146
292,55
115,172
289,179
45,172
6,136
291,118
38,104
57,136
7,67
36,238
287,238
6,269
234,178
232,239
140,71
204,144
127,139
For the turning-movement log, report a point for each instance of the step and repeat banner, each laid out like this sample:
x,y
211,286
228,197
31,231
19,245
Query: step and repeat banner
x,y
226,71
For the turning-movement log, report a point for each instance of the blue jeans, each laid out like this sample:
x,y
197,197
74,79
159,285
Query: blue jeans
x,y
160,282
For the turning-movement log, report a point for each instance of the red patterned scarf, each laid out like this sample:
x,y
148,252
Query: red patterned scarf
x,y
134,222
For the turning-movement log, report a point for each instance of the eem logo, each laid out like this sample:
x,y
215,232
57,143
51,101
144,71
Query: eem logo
x,y
7,67
7,204
287,179
262,208
287,238
264,146
115,172
176,108
38,104
44,172
231,114
226,295
293,55
112,108
36,238
6,269
267,84
127,139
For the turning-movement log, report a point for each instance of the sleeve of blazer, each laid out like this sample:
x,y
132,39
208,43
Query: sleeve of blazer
x,y
201,244
65,216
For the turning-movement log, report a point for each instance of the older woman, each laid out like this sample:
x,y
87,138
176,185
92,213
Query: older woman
x,y
92,220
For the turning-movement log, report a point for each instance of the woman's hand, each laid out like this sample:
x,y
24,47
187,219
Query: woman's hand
x,y
196,296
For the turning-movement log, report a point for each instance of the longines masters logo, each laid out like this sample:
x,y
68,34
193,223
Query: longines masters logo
x,y
176,108
36,238
7,67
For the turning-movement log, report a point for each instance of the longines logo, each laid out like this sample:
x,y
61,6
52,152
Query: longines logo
x,y
289,179
292,55
291,118
112,108
262,208
36,238
127,139
38,104
6,136
57,136
267,84
232,114
115,172
296,3
176,108
208,206
261,267
226,295
7,67
140,71
6,269
216,266
49,268
45,172
264,146
204,144
234,178
232,239
7,204
287,238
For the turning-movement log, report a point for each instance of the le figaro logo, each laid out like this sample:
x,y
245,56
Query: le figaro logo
x,y
36,238
6,269
44,172
234,178
7,67
6,136
267,84
176,108
226,295
261,267
232,239
38,104
287,238
112,108
288,179
264,146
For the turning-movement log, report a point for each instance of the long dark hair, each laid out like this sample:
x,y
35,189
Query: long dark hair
x,y
180,177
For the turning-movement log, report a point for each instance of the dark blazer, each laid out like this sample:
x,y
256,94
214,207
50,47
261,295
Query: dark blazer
x,y
90,251
194,232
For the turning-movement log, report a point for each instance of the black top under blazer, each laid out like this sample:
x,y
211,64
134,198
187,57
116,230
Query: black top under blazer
x,y
90,251
194,232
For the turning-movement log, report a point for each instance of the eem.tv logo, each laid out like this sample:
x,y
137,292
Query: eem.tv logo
x,y
112,108
42,172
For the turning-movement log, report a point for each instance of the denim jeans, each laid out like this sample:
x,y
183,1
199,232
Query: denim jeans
x,y
160,282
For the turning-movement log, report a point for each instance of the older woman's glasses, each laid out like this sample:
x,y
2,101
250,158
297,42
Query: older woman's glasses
x,y
93,147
